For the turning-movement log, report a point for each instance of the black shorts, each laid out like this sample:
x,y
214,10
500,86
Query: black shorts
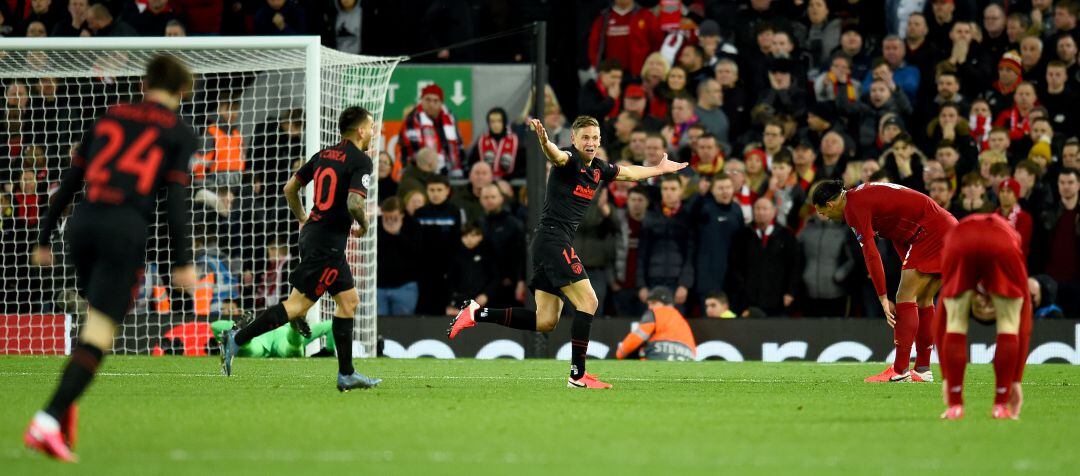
x,y
555,264
322,268
107,247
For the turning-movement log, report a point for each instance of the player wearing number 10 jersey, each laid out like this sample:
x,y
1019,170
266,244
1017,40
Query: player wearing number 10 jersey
x,y
341,175
125,158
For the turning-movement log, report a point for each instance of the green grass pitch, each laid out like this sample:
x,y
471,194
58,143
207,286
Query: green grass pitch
x,y
174,415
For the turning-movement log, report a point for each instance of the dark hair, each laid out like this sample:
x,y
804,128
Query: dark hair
x,y
946,144
439,179
719,296
352,117
168,73
1029,166
709,135
392,204
609,65
880,176
783,157
471,228
947,182
1000,169
824,191
671,178
640,190
972,178
1042,119
718,177
502,112
1070,171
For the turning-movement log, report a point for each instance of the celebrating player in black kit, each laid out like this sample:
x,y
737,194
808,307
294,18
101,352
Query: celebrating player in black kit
x,y
342,174
557,269
124,160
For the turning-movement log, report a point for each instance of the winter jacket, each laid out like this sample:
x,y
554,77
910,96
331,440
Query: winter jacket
x,y
827,259
763,271
666,250
715,226
596,238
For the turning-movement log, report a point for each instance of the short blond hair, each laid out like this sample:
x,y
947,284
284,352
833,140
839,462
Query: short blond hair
x,y
993,157
584,121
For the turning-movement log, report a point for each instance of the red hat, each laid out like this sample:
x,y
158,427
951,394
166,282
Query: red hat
x,y
432,89
1011,60
759,153
1011,184
634,91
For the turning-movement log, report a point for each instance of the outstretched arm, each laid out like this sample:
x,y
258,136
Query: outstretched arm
x,y
551,150
633,173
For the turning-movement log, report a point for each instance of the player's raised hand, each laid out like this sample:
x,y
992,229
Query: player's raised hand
x,y
667,166
42,256
184,277
541,133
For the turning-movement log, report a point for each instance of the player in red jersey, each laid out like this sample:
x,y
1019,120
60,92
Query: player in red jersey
x,y
916,226
984,276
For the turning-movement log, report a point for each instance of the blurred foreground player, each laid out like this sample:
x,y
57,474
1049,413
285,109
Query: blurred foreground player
x,y
342,174
984,276
125,158
576,174
916,226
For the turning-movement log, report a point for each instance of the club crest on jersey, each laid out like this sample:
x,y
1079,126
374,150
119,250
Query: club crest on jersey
x,y
596,175
584,192
366,180
577,268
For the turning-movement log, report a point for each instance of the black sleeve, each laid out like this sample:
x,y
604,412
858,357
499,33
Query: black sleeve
x,y
71,183
608,171
179,225
361,176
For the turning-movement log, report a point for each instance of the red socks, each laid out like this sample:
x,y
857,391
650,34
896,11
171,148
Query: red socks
x,y
907,324
954,357
924,338
1005,356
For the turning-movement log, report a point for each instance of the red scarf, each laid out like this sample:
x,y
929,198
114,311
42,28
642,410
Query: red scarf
x,y
500,154
670,211
421,131
1019,125
1013,214
980,130
680,129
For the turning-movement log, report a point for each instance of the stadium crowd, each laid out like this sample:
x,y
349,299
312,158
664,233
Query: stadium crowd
x,y
973,102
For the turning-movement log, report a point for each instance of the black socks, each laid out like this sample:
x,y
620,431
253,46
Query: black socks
x,y
271,318
515,317
80,370
579,343
343,342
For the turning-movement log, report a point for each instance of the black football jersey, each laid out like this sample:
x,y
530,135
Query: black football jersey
x,y
570,190
131,151
336,171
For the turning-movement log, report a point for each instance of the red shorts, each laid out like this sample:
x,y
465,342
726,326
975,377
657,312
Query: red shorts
x,y
981,252
924,255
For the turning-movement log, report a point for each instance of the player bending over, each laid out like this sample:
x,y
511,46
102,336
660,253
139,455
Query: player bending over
x,y
342,174
125,158
916,226
557,270
983,253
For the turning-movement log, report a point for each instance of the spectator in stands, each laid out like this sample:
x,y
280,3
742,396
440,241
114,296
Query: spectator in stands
x,y
505,233
1043,291
716,218
709,109
430,124
1000,96
77,19
1060,95
1008,192
854,46
596,241
1016,118
398,254
783,95
214,270
413,201
757,175
616,133
347,20
275,144
972,197
42,11
1066,47
635,101
941,192
626,33
900,75
904,163
635,150
682,116
764,264
175,29
388,187
631,220
772,141
1062,225
744,194
280,17
837,84
101,23
828,263
36,29
1031,62
707,161
467,197
784,191
674,86
153,20
224,144
717,306
274,279
599,97
803,158
822,33
737,101
440,230
499,147
666,247
881,100
1033,195
419,172
692,59
653,76
473,271
661,334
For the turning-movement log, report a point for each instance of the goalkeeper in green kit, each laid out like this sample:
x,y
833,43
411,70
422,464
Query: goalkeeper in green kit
x,y
283,342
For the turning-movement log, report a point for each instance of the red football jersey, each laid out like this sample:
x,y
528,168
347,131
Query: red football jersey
x,y
894,212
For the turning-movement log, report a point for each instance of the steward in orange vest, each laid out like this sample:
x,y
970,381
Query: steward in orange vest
x,y
662,333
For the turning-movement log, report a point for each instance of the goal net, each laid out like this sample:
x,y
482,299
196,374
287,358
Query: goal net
x,y
261,105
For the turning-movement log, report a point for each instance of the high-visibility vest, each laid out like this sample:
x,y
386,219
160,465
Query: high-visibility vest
x,y
204,295
227,155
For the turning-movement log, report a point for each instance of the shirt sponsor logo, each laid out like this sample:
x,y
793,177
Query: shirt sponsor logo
x,y
584,192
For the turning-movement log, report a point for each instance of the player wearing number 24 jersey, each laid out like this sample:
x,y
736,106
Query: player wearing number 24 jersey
x,y
916,226
575,178
127,156
340,175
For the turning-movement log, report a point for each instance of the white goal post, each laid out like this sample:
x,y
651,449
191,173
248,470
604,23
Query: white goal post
x,y
262,105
